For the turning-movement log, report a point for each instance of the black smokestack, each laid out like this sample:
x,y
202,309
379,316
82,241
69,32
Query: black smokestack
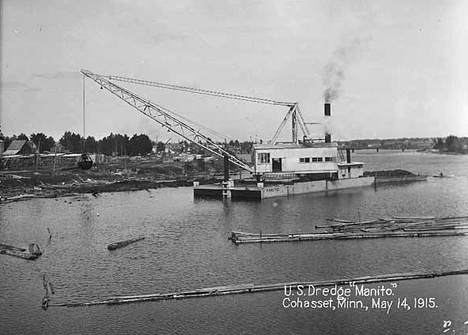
x,y
327,109
226,168
327,138
348,155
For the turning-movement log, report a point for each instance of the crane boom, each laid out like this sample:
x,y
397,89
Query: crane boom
x,y
165,118
293,112
200,91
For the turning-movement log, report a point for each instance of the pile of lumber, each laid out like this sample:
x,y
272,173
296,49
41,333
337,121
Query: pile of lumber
x,y
379,228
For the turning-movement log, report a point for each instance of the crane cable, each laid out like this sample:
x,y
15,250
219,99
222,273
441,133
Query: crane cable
x,y
186,89
84,108
200,126
204,92
199,91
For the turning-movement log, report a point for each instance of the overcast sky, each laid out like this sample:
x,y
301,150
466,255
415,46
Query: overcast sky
x,y
396,68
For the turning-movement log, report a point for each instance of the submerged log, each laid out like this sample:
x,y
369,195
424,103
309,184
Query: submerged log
x,y
121,244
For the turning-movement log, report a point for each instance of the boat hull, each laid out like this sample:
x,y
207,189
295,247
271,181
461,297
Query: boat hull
x,y
282,190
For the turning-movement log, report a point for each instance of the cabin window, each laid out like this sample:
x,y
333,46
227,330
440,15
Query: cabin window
x,y
330,159
316,159
264,158
304,160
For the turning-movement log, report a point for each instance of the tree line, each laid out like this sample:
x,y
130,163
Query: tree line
x,y
452,144
114,144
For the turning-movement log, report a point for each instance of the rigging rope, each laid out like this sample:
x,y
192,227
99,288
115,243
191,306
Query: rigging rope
x,y
199,91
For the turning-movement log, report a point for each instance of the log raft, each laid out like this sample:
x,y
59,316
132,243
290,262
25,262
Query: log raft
x,y
122,244
251,288
237,239
380,228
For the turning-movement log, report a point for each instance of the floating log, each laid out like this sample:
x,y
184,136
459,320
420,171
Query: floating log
x,y
11,247
34,249
452,218
121,244
251,288
414,217
21,197
46,299
348,224
340,220
19,254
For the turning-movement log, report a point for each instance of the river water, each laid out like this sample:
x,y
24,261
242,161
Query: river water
x,y
186,247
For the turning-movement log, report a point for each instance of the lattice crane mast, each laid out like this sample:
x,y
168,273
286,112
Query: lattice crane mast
x,y
294,112
174,122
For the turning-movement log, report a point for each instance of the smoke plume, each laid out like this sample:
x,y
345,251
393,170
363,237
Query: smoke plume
x,y
344,55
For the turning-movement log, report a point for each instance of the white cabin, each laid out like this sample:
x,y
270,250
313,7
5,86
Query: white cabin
x,y
317,160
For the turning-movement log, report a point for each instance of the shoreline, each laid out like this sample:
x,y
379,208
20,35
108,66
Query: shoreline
x,y
25,185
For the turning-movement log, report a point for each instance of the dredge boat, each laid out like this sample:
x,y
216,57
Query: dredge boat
x,y
297,167
303,165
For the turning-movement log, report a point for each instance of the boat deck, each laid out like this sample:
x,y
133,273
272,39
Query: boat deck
x,y
278,188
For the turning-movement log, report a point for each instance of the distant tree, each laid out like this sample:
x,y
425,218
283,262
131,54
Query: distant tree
x,y
7,141
106,145
42,142
200,165
185,146
72,142
122,143
140,145
453,144
246,147
160,146
22,136
195,149
3,138
114,145
91,145
439,144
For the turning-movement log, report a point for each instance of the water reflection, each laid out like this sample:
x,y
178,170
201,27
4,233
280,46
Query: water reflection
x,y
186,246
